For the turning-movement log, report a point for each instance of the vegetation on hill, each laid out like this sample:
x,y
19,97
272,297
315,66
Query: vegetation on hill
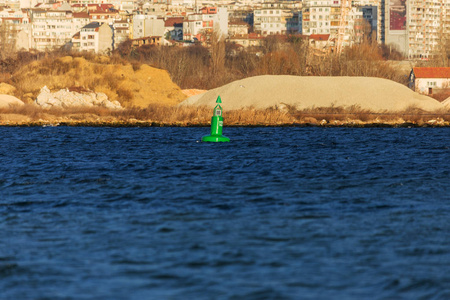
x,y
130,84
198,67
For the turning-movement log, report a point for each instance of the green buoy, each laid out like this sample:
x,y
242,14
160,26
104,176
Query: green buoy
x,y
216,125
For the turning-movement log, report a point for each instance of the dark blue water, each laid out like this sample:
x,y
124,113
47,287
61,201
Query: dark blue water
x,y
277,213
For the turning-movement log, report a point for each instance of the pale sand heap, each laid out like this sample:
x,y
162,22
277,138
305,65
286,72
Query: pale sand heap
x,y
7,101
266,91
446,103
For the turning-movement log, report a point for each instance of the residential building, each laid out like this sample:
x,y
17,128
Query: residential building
x,y
79,20
122,31
327,16
199,26
96,37
245,15
173,28
247,40
237,28
16,27
275,18
103,13
50,28
147,25
148,40
416,27
430,81
319,41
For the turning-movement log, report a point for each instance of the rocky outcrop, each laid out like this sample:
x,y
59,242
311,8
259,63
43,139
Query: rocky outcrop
x,y
66,99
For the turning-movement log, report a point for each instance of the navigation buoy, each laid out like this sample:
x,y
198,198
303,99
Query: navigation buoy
x,y
216,125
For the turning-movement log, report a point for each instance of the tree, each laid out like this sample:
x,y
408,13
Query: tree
x,y
217,52
443,50
8,37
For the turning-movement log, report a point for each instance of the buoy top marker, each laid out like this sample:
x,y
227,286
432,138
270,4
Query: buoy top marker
x,y
216,125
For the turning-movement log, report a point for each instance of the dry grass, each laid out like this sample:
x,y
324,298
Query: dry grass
x,y
201,116
129,83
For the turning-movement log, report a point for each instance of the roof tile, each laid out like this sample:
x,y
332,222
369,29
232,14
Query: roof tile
x,y
431,72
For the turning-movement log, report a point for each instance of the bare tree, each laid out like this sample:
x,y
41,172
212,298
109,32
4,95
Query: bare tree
x,y
8,37
217,52
443,48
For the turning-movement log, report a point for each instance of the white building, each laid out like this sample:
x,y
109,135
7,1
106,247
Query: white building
x,y
16,24
122,32
147,25
199,25
326,17
430,80
50,28
275,18
96,37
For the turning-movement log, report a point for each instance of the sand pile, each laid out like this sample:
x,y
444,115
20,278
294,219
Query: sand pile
x,y
7,101
131,86
446,103
266,91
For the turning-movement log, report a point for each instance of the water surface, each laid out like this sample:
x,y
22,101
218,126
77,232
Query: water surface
x,y
277,213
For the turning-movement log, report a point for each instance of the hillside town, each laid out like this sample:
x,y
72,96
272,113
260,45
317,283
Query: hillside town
x,y
414,28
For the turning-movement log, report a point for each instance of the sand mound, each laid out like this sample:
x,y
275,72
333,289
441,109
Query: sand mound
x,y
8,101
266,91
131,86
446,102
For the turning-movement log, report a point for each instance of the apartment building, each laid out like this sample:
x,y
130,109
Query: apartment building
x,y
198,26
326,17
15,27
173,28
96,37
427,23
276,18
147,25
79,20
50,28
122,31
416,27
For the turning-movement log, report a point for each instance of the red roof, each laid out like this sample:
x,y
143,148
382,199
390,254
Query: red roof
x,y
319,37
170,22
81,15
255,36
430,72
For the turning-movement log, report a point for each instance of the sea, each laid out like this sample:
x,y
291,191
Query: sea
x,y
276,213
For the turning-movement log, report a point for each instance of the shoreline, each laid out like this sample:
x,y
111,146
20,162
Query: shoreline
x,y
119,124
162,116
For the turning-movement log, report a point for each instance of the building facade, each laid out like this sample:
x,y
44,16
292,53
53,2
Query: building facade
x,y
416,27
96,37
